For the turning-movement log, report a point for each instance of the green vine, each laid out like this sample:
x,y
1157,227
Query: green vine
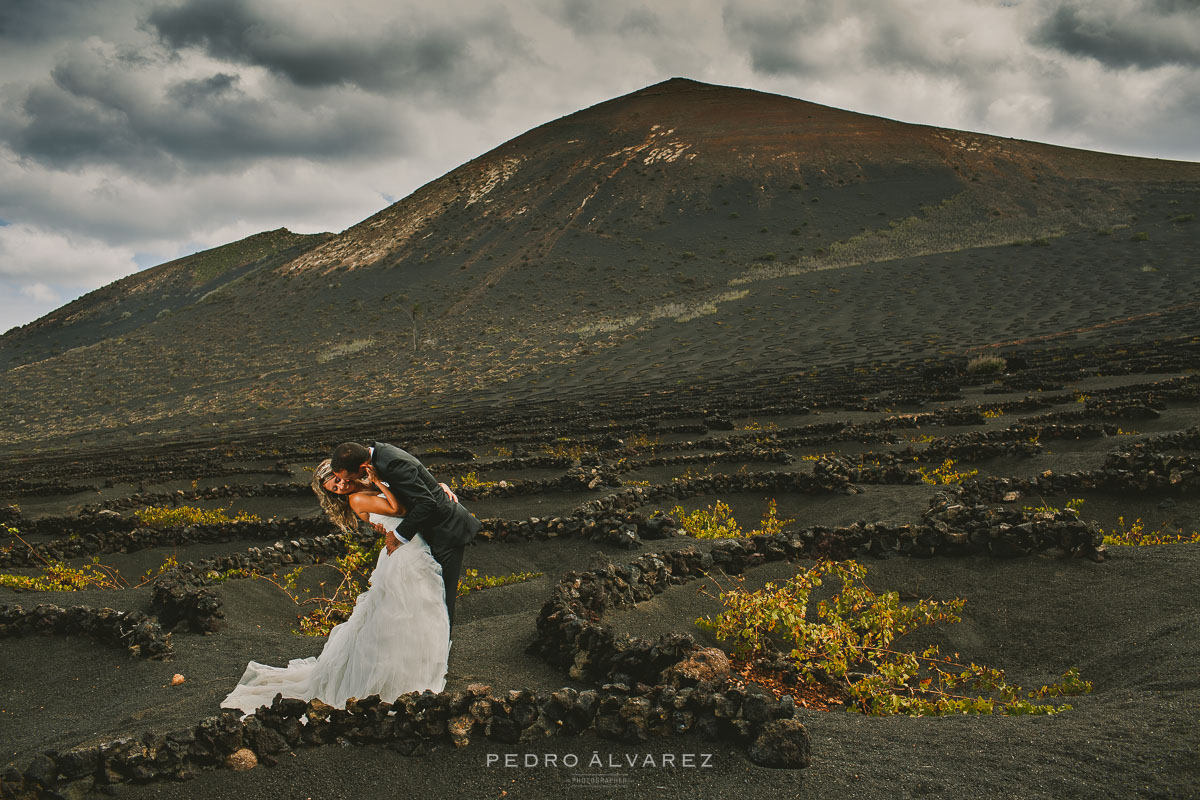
x,y
852,640
473,581
160,517
58,576
945,474
1136,535
717,522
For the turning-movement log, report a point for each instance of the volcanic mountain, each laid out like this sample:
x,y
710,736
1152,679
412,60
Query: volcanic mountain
x,y
679,235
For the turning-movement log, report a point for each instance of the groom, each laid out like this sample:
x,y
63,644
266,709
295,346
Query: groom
x,y
444,524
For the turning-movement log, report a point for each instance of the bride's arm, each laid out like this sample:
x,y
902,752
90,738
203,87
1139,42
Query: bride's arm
x,y
364,503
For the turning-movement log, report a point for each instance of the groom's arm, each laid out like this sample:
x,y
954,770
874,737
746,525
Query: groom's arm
x,y
406,483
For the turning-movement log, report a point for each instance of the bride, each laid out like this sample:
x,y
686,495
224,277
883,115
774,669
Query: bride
x,y
397,640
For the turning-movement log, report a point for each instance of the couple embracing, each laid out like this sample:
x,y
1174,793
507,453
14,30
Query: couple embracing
x,y
397,640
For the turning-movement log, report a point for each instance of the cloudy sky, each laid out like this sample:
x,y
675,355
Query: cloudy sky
x,y
136,131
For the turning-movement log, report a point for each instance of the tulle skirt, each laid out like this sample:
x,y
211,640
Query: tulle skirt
x,y
397,640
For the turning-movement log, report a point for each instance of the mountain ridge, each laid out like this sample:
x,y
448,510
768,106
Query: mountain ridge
x,y
620,245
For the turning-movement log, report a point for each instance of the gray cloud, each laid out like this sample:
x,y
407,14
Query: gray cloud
x,y
199,91
1141,34
588,19
104,106
774,41
30,21
810,38
405,56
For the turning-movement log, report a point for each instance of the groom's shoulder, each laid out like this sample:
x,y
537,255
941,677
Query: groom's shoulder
x,y
389,452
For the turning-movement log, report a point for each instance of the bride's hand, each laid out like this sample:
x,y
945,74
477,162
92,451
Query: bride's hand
x,y
372,477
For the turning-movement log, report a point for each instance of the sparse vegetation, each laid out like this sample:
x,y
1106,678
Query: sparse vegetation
x,y
563,448
852,638
944,474
470,481
717,522
332,352
58,576
1135,534
159,517
472,581
986,365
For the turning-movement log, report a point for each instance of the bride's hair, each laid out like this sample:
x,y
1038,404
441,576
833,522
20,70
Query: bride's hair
x,y
336,506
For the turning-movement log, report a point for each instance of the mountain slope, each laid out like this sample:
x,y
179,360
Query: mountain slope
x,y
664,238
131,303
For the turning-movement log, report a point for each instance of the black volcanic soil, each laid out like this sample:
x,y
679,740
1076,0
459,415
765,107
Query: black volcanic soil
x,y
1129,623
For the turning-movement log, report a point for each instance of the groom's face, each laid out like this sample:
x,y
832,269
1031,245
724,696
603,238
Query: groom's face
x,y
351,474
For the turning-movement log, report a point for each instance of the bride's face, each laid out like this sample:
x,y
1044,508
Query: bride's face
x,y
338,485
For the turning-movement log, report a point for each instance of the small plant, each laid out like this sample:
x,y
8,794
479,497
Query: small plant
x,y
755,425
986,365
717,522
993,413
470,481
1140,236
229,574
945,474
170,564
563,449
771,524
640,441
852,640
334,608
1046,510
473,581
1136,535
160,517
692,474
57,576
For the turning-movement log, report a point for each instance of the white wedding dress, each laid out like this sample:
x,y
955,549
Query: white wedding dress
x,y
397,640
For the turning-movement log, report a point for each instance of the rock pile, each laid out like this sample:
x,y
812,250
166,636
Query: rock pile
x,y
138,633
414,723
180,603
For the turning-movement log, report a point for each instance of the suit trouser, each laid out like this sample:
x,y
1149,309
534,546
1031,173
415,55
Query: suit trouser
x,y
451,559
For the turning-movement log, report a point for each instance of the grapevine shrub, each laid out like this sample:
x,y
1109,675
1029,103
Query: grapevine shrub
x,y
851,640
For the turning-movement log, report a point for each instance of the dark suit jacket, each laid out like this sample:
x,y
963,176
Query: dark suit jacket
x,y
440,521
